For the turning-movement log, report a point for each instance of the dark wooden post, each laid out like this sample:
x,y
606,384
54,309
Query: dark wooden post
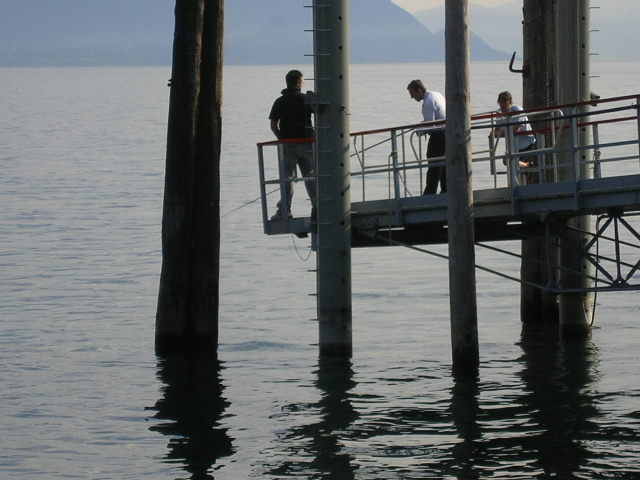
x,y
187,316
538,89
462,277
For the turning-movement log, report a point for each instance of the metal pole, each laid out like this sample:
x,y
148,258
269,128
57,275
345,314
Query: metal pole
x,y
285,184
263,190
638,122
331,63
462,278
396,175
597,168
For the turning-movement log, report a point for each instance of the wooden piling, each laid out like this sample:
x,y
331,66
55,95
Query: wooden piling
x,y
333,258
462,279
187,314
537,307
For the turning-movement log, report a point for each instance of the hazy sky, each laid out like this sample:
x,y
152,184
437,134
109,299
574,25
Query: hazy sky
x,y
417,5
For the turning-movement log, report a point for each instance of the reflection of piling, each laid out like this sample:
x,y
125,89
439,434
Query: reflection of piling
x,y
462,279
189,411
331,63
572,30
187,315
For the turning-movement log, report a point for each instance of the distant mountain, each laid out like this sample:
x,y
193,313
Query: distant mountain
x,y
500,27
380,32
85,32
140,32
615,33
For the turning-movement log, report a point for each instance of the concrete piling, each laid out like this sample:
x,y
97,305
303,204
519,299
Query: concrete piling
x,y
333,218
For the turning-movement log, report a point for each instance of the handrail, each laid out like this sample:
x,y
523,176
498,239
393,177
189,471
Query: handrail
x,y
496,114
384,156
286,140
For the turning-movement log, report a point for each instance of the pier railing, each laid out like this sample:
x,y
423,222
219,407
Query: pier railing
x,y
390,163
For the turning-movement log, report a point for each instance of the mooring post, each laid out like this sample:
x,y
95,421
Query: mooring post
x,y
187,315
538,31
462,278
333,257
573,85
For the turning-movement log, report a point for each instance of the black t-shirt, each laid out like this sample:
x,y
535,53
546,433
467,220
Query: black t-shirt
x,y
293,115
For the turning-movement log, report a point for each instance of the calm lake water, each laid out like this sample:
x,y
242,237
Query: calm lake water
x,y
83,395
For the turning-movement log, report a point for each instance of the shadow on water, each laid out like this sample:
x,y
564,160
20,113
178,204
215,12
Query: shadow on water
x,y
559,381
324,456
539,428
191,407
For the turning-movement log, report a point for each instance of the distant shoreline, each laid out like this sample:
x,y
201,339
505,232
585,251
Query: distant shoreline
x,y
168,65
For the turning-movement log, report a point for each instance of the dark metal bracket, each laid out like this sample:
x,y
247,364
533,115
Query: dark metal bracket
x,y
524,70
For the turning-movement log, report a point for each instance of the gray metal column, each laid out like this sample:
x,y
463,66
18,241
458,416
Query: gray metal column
x,y
573,85
333,258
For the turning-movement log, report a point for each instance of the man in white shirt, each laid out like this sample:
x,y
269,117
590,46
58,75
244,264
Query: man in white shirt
x,y
524,137
433,109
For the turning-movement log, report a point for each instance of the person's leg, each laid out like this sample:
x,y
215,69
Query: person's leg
x,y
307,169
530,162
433,177
289,163
435,148
443,179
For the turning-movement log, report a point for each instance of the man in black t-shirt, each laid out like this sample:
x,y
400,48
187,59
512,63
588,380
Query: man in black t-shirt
x,y
291,120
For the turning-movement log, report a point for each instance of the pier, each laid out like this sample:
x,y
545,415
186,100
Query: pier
x,y
388,168
584,167
387,173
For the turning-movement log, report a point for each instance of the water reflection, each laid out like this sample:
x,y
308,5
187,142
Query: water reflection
x,y
536,418
323,451
465,410
192,405
559,379
537,426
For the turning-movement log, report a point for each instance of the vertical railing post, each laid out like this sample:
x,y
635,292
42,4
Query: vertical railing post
x,y
362,152
420,169
575,158
404,163
513,162
492,153
638,122
284,184
396,175
263,189
597,167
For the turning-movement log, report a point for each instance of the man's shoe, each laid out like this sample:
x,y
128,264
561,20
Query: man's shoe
x,y
278,216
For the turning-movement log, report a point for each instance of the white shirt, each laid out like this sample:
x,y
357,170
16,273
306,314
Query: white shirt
x,y
524,141
434,106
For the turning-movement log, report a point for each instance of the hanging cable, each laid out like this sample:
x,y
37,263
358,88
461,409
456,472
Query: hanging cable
x,y
446,257
595,283
298,251
247,204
